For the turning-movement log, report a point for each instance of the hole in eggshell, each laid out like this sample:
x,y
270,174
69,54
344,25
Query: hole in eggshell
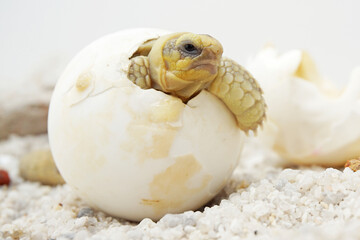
x,y
144,49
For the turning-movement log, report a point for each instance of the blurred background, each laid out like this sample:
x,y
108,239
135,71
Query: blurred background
x,y
39,37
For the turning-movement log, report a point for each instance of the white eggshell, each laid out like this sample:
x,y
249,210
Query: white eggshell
x,y
137,153
309,120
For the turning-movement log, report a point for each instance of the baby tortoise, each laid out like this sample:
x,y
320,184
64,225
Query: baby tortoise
x,y
183,64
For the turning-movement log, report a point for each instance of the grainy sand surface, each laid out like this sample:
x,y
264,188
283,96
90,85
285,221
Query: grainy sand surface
x,y
263,200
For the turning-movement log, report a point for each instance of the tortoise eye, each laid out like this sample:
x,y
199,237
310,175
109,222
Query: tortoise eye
x,y
189,48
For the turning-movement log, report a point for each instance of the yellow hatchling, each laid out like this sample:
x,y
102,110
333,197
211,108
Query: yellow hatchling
x,y
183,64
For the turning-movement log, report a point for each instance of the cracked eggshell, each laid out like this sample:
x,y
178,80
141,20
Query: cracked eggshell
x,y
137,153
309,120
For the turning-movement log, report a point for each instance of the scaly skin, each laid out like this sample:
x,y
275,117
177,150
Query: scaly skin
x,y
240,92
183,64
139,72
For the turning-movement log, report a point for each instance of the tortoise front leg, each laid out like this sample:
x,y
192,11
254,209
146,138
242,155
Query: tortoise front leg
x,y
240,92
139,72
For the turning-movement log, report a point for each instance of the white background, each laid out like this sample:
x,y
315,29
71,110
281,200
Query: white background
x,y
39,37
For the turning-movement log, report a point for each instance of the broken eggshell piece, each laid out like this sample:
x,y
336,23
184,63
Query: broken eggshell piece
x,y
309,120
137,153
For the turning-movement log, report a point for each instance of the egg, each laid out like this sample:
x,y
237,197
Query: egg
x,y
137,153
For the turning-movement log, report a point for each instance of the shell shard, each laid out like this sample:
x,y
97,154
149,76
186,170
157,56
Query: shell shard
x,y
309,120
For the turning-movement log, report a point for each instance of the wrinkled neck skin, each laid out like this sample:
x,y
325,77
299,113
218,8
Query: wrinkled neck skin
x,y
166,76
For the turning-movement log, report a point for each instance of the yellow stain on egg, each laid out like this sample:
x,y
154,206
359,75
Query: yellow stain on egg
x,y
170,189
145,148
83,81
152,137
167,110
161,145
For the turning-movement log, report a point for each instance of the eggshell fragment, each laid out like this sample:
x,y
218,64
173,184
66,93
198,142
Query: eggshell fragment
x,y
309,120
39,166
137,153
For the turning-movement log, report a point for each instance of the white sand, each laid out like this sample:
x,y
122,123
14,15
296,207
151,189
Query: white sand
x,y
266,202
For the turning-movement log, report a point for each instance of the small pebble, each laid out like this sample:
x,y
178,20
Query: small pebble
x,y
353,164
85,212
4,178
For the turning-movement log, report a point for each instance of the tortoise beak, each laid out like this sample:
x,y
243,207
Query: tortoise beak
x,y
212,52
209,59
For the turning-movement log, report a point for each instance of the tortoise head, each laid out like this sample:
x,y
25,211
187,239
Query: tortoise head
x,y
180,60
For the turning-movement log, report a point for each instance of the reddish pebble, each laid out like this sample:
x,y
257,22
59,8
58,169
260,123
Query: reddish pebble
x,y
4,178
